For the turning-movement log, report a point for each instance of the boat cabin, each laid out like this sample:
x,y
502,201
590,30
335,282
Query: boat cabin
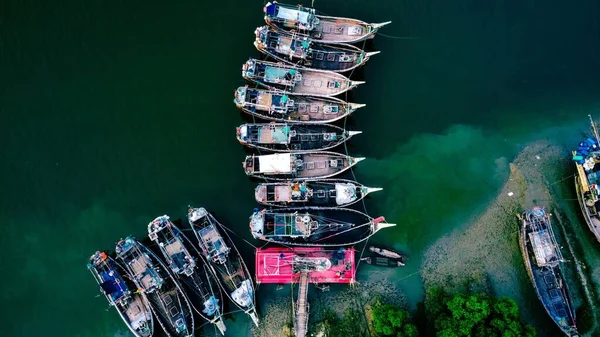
x,y
300,17
284,192
543,248
282,225
211,241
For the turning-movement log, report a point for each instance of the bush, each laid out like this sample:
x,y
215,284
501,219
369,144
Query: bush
x,y
349,326
478,315
390,320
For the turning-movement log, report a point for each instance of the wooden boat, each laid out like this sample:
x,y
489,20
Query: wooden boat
x,y
282,137
168,302
218,249
542,258
285,265
324,227
132,306
295,80
279,106
299,49
386,253
586,160
382,261
328,29
298,165
323,193
196,278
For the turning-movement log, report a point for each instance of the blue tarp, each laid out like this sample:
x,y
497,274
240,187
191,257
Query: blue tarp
x,y
113,285
272,9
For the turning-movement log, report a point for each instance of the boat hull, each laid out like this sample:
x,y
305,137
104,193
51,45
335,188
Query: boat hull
x,y
382,262
595,229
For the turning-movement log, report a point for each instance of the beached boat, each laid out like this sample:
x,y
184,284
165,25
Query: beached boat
x,y
323,192
386,253
196,278
300,50
587,162
296,80
282,137
279,106
382,261
284,265
298,165
168,302
542,257
224,259
131,305
328,29
324,227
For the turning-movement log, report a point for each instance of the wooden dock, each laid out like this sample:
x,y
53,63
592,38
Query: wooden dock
x,y
301,320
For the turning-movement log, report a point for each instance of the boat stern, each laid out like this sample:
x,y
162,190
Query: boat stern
x,y
241,133
248,165
240,96
261,34
260,193
248,68
257,223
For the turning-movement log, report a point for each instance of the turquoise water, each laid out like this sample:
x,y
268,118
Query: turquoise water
x,y
115,113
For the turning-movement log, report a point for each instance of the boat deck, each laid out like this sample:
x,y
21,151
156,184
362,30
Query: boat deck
x,y
140,266
550,294
320,83
340,30
280,265
136,311
320,165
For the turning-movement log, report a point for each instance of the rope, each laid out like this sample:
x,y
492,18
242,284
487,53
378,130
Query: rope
x,y
399,37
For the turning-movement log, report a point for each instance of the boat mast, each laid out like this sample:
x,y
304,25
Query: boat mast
x,y
594,128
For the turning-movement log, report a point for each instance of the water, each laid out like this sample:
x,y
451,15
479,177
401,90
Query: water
x,y
114,114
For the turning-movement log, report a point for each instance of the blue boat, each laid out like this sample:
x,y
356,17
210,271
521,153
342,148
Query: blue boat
x,y
131,304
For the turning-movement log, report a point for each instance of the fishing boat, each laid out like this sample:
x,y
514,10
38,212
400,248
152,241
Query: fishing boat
x,y
587,159
279,106
320,193
382,261
542,257
284,265
224,259
282,137
296,80
322,227
298,165
329,29
132,306
196,278
386,253
168,302
299,49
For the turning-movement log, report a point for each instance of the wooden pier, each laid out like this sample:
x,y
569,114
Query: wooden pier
x,y
302,307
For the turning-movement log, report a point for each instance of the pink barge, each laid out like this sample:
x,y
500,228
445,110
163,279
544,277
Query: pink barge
x,y
285,265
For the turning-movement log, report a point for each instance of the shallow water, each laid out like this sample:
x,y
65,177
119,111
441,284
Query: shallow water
x,y
115,114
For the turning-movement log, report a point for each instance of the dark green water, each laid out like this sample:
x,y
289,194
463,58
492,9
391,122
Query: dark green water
x,y
115,113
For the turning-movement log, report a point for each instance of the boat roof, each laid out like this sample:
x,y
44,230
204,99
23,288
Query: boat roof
x,y
275,10
275,163
543,248
284,265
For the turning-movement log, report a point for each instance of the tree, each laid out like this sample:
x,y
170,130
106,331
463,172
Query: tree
x,y
390,320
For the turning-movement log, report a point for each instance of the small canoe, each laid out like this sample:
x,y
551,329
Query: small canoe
x,y
382,262
297,80
386,253
281,137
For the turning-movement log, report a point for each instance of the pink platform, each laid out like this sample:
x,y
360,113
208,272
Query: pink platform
x,y
276,265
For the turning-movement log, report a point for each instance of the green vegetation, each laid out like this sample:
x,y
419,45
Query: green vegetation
x,y
390,320
350,325
474,316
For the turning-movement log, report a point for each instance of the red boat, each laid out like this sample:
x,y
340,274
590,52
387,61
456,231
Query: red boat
x,y
283,265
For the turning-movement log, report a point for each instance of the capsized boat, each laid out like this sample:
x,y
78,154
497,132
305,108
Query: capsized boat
x,y
280,106
284,265
298,165
132,306
324,227
282,137
542,257
296,80
196,278
168,302
319,193
299,49
386,253
382,261
329,29
587,162
224,259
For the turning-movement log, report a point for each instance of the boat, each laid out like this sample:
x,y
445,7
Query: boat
x,y
382,261
322,227
225,261
284,265
168,302
296,80
587,159
323,192
329,29
283,137
132,306
386,253
196,278
280,106
298,165
300,50
542,257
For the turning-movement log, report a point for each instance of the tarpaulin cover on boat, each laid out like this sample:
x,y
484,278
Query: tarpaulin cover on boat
x,y
287,14
113,286
275,163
